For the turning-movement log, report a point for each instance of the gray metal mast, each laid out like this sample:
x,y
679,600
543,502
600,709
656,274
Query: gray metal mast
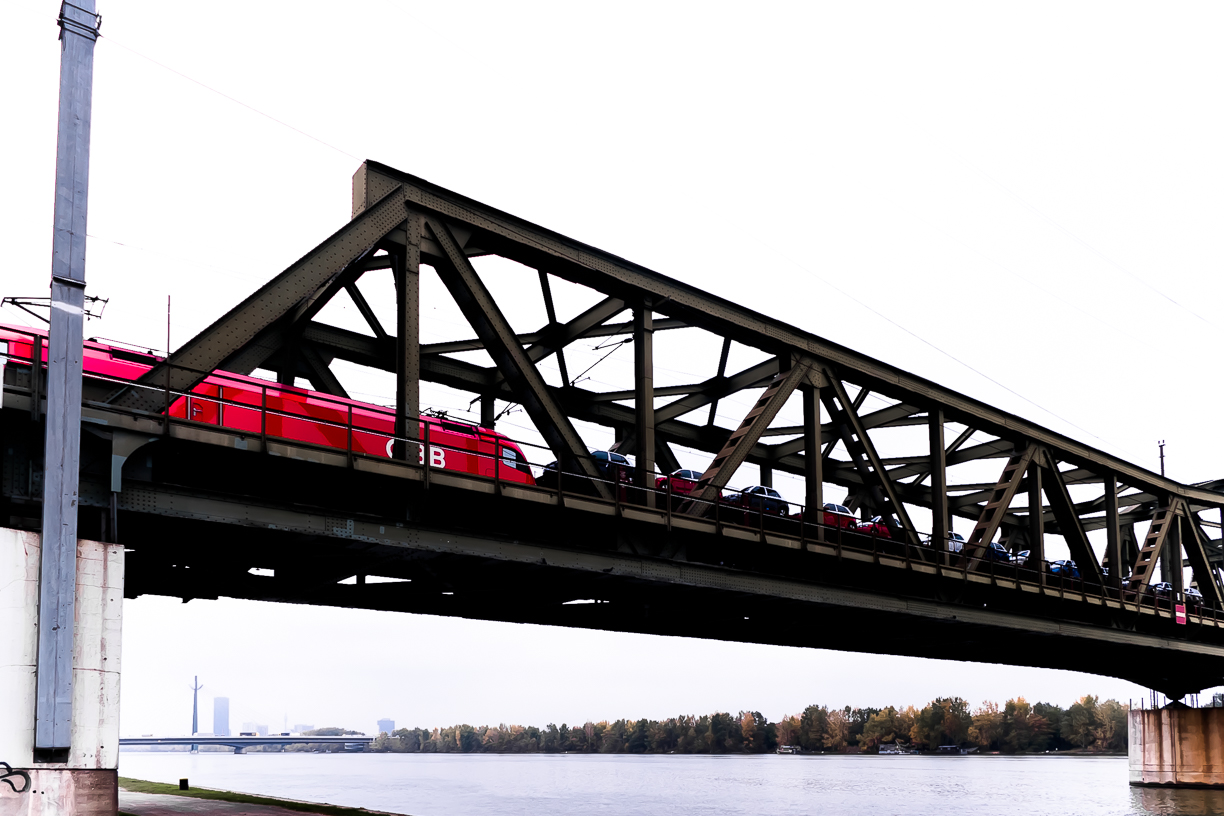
x,y
57,579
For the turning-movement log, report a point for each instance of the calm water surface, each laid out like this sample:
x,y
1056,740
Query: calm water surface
x,y
550,785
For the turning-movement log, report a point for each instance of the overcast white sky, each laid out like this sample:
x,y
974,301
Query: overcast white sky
x,y
1009,199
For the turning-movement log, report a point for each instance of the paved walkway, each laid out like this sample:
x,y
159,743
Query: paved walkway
x,y
159,804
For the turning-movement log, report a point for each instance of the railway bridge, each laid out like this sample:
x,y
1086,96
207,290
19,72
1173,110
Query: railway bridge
x,y
204,507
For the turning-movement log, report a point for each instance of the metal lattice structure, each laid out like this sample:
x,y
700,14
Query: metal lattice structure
x,y
206,510
401,222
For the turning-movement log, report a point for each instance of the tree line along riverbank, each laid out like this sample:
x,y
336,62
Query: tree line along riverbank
x,y
1015,727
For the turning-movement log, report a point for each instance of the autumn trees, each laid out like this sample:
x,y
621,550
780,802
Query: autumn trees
x,y
1015,727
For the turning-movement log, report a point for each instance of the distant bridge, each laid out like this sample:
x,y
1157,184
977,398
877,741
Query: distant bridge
x,y
206,508
240,744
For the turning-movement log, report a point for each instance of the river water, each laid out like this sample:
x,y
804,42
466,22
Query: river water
x,y
620,785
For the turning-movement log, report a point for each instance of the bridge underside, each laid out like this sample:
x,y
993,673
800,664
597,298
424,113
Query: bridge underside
x,y
194,529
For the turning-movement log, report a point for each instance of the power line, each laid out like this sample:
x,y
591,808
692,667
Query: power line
x,y
949,355
1084,243
224,95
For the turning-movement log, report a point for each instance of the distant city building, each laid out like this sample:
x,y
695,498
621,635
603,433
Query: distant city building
x,y
255,728
302,729
386,726
221,716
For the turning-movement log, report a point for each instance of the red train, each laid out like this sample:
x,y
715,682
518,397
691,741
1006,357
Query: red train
x,y
237,402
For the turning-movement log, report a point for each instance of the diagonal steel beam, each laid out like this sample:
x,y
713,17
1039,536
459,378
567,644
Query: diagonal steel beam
x,y
1153,544
530,338
737,446
1195,545
996,507
367,313
876,419
665,457
866,458
998,449
311,305
715,389
512,360
948,451
227,337
560,335
1069,525
321,376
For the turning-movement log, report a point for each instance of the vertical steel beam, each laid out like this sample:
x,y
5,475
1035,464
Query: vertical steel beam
x,y
57,572
408,339
813,458
487,411
36,377
1174,558
1113,533
1130,548
1036,509
939,480
643,402
766,476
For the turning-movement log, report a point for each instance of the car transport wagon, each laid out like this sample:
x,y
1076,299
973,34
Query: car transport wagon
x,y
256,406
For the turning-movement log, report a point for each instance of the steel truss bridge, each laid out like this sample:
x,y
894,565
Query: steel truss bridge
x,y
207,511
240,744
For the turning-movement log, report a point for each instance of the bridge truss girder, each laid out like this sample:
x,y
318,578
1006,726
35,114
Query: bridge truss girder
x,y
401,221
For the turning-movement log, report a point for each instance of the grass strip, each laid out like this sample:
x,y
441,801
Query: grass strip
x,y
143,786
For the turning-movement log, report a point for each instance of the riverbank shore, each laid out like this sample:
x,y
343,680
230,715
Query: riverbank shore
x,y
139,797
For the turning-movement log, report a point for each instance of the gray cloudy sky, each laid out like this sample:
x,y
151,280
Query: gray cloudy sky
x,y
1010,199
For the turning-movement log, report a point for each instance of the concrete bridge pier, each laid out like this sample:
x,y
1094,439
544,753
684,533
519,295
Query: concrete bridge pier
x,y
1177,747
86,782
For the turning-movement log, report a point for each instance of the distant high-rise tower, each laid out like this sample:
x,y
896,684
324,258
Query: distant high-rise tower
x,y
221,716
386,726
195,710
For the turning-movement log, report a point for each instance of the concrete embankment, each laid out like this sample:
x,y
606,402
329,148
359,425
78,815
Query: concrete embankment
x,y
140,798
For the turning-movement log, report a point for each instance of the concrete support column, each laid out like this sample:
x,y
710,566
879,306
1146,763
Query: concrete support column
x,y
87,782
1176,746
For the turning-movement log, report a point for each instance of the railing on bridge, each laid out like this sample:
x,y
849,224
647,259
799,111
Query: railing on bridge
x,y
277,414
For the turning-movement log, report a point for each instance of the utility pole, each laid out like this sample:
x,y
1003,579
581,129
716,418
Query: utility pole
x,y
195,710
79,26
1161,444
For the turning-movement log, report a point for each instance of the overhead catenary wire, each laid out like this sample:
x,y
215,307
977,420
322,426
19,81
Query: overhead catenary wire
x,y
1058,226
223,95
947,354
